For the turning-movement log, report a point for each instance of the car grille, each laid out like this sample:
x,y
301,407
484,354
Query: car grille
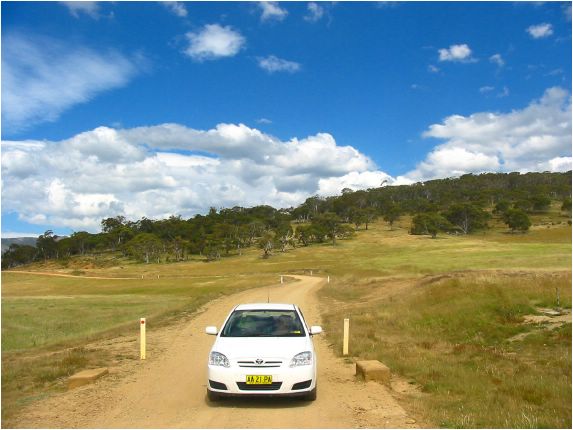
x,y
243,386
264,364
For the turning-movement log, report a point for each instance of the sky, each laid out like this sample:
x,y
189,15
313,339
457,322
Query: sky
x,y
153,109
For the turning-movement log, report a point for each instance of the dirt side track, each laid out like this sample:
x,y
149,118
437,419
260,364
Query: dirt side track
x,y
168,389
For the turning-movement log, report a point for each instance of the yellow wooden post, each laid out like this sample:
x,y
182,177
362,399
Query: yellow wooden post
x,y
142,339
345,339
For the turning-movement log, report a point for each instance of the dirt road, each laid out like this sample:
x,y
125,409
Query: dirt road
x,y
168,389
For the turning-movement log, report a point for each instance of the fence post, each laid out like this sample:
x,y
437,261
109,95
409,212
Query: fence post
x,y
281,279
345,339
142,339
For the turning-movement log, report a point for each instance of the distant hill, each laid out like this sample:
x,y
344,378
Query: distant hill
x,y
18,240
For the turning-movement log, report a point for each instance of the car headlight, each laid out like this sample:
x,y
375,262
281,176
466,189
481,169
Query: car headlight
x,y
218,359
302,359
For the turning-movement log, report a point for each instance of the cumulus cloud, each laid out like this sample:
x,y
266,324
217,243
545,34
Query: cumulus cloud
x,y
167,169
176,7
214,41
535,138
540,30
274,64
270,10
42,77
458,53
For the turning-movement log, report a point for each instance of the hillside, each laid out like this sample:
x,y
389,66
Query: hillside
x,y
463,205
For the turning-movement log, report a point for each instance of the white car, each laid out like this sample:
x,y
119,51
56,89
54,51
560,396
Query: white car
x,y
263,349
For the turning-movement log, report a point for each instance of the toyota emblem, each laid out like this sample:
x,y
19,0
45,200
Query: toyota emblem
x,y
259,361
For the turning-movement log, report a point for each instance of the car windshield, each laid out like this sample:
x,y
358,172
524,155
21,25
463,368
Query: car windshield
x,y
263,323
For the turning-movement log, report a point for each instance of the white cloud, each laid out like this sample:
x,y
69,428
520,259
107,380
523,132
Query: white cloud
x,y
536,137
458,53
486,89
315,12
274,64
540,30
264,121
353,180
504,92
213,42
497,59
76,8
156,172
42,77
433,68
270,10
176,7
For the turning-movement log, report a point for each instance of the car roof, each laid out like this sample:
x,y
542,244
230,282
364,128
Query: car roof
x,y
265,306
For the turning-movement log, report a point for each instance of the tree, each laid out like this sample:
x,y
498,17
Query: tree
x,y
17,255
284,235
501,207
429,223
118,230
371,215
517,219
540,203
145,247
392,214
81,241
266,243
358,217
330,222
467,216
46,244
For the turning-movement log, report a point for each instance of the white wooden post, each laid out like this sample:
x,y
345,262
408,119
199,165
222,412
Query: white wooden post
x,y
281,279
328,279
142,339
311,273
345,339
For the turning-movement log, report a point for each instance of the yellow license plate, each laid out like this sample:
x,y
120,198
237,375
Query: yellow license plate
x,y
259,379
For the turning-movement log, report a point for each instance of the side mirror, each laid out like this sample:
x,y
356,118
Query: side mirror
x,y
315,329
211,330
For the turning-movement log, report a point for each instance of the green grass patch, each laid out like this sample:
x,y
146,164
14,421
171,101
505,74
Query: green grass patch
x,y
452,338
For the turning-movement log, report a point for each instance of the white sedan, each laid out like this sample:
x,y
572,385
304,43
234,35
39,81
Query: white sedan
x,y
263,349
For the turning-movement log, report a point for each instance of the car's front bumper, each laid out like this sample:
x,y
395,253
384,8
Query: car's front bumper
x,y
287,381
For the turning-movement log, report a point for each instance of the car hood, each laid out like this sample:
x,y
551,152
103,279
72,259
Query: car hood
x,y
236,348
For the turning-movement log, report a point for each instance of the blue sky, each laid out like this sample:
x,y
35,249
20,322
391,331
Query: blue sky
x,y
153,109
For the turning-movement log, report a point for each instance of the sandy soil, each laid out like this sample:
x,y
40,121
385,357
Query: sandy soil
x,y
168,389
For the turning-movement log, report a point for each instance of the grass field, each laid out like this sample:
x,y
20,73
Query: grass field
x,y
453,337
379,278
